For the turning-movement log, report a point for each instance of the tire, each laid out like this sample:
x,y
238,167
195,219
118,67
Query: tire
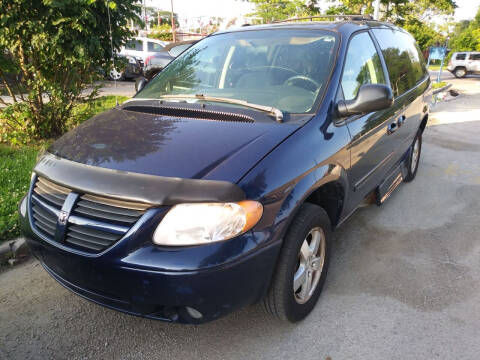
x,y
460,72
282,300
115,74
414,158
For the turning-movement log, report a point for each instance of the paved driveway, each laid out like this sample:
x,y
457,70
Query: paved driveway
x,y
404,281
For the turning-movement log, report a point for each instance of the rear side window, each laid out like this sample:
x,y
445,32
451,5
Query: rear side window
x,y
154,47
405,63
362,66
134,45
461,57
177,50
474,56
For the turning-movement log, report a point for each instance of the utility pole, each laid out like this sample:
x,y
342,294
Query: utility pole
x,y
144,16
376,14
173,22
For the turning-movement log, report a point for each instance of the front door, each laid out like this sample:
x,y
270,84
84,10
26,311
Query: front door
x,y
372,148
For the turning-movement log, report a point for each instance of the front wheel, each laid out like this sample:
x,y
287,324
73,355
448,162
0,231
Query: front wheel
x,y
302,265
116,75
414,158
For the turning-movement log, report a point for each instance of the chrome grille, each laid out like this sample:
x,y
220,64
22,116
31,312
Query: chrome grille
x,y
50,192
45,221
95,222
114,210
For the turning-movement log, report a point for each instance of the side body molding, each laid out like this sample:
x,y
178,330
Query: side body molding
x,y
123,185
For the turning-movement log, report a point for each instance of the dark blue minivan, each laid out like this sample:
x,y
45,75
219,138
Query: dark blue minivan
x,y
218,185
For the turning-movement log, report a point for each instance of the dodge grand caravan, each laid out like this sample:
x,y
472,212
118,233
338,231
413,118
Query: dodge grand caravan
x,y
218,185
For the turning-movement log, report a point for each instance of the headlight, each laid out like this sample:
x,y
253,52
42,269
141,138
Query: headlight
x,y
195,224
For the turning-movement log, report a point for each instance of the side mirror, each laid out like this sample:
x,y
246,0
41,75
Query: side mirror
x,y
370,97
140,83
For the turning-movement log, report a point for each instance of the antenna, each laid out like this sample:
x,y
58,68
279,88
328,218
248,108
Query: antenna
x,y
113,57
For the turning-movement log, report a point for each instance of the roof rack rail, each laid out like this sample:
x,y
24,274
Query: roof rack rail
x,y
357,17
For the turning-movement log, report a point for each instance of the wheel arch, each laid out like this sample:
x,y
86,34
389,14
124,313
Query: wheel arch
x,y
423,124
326,187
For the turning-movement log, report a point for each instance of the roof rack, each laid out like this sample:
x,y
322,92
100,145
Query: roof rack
x,y
357,17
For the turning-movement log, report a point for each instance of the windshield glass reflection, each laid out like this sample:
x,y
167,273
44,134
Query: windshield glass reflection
x,y
286,69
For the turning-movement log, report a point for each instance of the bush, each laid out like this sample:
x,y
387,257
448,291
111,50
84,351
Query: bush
x,y
49,55
16,127
162,32
16,162
15,124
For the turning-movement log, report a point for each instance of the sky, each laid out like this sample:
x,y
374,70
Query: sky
x,y
466,9
232,8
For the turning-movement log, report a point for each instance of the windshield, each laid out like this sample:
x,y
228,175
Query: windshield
x,y
285,69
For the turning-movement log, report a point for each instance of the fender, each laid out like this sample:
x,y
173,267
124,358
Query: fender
x,y
301,190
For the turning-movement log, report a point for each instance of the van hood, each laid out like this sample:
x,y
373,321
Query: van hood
x,y
170,146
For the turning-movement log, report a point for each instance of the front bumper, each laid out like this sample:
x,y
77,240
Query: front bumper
x,y
139,278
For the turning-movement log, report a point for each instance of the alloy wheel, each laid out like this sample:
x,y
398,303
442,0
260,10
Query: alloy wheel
x,y
311,259
115,74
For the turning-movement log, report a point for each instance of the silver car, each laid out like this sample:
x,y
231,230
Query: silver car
x,y
463,63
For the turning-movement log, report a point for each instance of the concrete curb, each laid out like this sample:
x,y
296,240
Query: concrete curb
x,y
446,87
12,251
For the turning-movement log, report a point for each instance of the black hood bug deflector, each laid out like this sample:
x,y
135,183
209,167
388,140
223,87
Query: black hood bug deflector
x,y
123,185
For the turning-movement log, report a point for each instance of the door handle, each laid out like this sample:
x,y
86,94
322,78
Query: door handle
x,y
401,120
392,127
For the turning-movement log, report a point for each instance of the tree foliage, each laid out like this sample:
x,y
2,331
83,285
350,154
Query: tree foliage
x,y
413,15
466,35
397,11
271,10
162,32
165,17
425,34
49,53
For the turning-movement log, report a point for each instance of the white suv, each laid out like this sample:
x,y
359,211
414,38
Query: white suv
x,y
142,47
463,63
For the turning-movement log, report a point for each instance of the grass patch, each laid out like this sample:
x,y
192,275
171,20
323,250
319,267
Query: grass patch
x,y
437,67
438,85
15,168
16,163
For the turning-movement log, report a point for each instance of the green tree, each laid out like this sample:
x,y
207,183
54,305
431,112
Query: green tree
x,y
165,16
271,10
424,34
397,11
49,53
413,15
466,35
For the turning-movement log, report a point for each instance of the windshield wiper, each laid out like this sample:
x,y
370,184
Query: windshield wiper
x,y
268,109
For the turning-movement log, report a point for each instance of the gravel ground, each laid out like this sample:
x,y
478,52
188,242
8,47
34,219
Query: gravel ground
x,y
404,281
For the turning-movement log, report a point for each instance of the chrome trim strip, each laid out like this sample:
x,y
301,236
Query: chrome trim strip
x,y
98,225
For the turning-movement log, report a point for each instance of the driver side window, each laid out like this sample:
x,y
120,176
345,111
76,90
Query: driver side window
x,y
362,66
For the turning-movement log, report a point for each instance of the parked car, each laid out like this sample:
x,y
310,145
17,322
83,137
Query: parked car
x,y
464,63
220,183
126,67
155,63
142,47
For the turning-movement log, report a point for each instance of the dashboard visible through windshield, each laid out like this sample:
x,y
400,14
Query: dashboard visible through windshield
x,y
285,69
